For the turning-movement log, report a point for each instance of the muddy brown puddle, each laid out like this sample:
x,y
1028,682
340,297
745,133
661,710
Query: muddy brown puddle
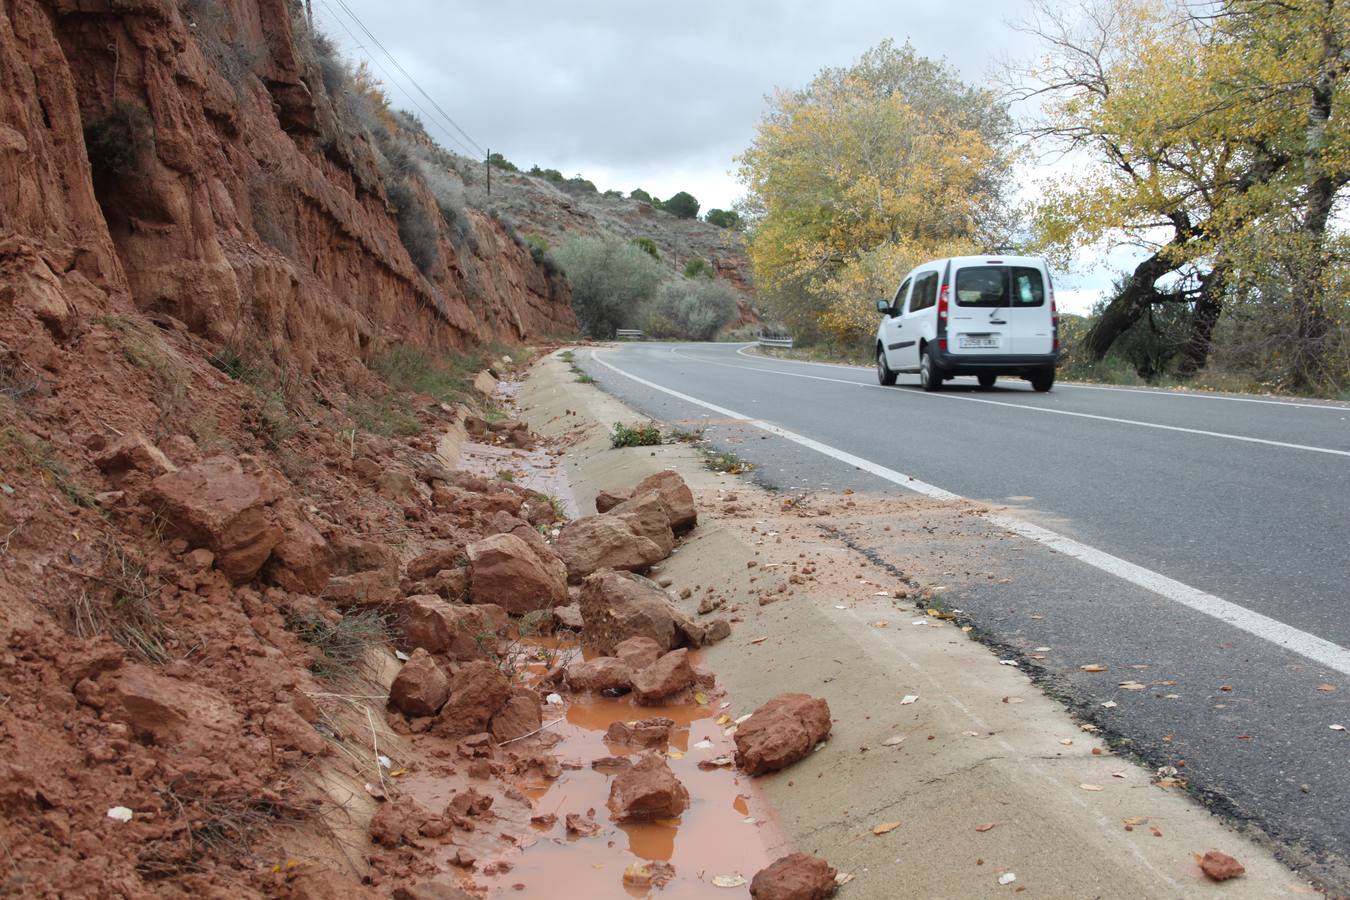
x,y
723,832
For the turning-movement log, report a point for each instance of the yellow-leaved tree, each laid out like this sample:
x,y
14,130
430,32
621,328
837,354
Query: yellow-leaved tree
x,y
861,175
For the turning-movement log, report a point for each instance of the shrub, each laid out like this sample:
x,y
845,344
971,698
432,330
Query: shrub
x,y
535,242
647,435
547,174
117,142
610,280
613,193
640,195
647,246
698,266
497,161
723,218
682,205
415,229
694,309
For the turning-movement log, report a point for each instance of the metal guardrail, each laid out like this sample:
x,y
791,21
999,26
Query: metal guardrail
x,y
770,340
628,334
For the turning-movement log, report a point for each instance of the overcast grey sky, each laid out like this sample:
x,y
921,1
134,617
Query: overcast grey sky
x,y
658,96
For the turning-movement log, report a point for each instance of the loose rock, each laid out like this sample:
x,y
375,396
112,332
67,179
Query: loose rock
x,y
798,876
781,732
675,494
1220,866
648,790
420,688
638,652
505,570
616,606
599,674
668,675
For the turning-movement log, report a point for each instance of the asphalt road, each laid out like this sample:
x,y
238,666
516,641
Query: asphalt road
x,y
1166,520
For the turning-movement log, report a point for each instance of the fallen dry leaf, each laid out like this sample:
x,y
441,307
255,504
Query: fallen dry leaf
x,y
988,826
1007,878
1093,667
1109,704
892,741
701,698
885,827
1091,787
1326,688
759,640
1013,700
728,881
843,878
908,699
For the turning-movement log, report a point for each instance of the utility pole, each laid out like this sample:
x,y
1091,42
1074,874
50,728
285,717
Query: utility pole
x,y
487,165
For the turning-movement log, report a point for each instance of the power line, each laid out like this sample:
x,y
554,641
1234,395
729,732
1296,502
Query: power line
x,y
399,66
394,81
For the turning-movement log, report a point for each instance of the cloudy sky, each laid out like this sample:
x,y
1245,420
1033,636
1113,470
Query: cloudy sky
x,y
660,96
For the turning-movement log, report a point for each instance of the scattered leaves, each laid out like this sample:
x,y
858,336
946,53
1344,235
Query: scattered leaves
x,y
885,827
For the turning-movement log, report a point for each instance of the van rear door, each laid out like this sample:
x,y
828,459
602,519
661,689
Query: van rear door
x,y
1028,314
978,325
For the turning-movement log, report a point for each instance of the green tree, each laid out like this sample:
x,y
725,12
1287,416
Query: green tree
x,y
723,218
682,205
864,173
497,161
640,195
610,280
698,266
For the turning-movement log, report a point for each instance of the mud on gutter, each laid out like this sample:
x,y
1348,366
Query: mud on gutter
x,y
982,770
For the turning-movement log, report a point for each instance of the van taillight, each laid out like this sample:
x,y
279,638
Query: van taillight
x,y
942,303
1054,322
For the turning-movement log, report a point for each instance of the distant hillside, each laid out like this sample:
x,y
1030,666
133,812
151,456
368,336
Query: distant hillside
x,y
553,211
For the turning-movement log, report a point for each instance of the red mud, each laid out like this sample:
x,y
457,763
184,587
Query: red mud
x,y
713,837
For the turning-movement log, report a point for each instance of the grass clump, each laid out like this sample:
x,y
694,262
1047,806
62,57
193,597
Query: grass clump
x,y
727,462
38,454
340,647
647,435
446,377
386,416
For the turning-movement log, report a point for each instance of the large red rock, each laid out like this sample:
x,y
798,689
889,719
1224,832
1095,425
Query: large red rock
x,y
214,504
607,500
668,675
599,674
676,496
648,790
477,691
518,717
167,711
616,606
633,536
798,876
456,630
133,452
638,652
781,732
507,571
420,688
433,561
362,590
653,733
301,561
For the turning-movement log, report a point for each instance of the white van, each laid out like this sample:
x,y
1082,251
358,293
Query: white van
x,y
971,315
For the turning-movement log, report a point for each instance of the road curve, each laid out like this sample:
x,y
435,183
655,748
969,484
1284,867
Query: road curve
x,y
1201,535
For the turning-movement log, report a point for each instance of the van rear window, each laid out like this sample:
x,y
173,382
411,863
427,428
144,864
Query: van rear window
x,y
992,286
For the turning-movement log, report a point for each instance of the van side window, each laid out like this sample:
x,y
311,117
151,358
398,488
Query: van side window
x,y
925,292
1027,287
898,304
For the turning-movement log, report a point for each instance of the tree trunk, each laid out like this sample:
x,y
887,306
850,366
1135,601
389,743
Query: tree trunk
x,y
1204,317
1127,306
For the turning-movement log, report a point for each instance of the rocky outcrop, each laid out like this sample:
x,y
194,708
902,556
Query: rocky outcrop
x,y
780,732
189,160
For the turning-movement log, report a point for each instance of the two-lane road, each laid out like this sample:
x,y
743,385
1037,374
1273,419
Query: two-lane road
x,y
1206,534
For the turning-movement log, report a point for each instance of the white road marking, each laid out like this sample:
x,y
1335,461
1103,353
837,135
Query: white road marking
x,y
1041,409
1310,646
1078,385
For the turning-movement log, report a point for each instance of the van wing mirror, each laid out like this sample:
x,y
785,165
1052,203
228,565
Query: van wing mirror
x,y
884,307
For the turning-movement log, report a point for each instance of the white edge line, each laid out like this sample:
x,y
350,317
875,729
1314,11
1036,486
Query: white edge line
x,y
1287,637
1081,385
1041,409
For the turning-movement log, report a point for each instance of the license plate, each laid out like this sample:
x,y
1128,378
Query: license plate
x,y
978,341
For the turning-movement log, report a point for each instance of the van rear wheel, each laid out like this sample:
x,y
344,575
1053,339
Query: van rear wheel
x,y
930,376
1043,380
884,374
987,379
